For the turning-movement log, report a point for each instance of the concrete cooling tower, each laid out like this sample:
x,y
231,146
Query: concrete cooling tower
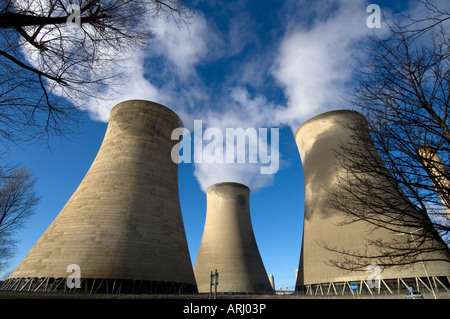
x,y
327,233
228,244
439,175
122,229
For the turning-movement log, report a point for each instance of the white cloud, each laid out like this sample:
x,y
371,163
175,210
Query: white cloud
x,y
314,61
133,85
247,174
184,46
180,48
239,111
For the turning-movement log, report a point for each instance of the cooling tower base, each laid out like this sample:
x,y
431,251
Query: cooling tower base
x,y
98,286
430,285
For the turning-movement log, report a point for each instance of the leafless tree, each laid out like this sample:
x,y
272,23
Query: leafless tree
x,y
404,92
18,201
53,52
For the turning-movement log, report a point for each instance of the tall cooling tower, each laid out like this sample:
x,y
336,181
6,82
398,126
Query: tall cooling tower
x,y
325,226
228,243
122,229
439,175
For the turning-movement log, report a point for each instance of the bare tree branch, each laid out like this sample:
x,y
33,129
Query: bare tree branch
x,y
17,203
51,67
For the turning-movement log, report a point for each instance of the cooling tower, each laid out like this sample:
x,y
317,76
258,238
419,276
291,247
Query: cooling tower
x,y
122,228
439,175
228,243
272,281
327,233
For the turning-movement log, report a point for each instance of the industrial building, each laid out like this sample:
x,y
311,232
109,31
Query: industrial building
x,y
228,244
327,231
122,229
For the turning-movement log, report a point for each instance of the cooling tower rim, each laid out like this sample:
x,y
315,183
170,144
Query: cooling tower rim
x,y
235,184
329,114
115,107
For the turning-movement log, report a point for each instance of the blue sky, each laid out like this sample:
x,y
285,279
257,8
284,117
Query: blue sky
x,y
261,64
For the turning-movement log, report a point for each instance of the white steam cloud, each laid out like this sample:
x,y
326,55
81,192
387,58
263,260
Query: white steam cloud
x,y
313,64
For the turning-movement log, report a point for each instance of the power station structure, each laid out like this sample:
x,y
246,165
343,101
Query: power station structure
x,y
122,229
439,175
228,244
332,237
